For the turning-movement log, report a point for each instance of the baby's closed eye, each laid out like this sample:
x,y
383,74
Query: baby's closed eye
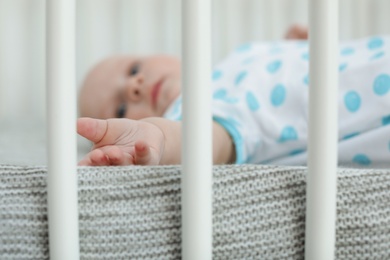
x,y
121,111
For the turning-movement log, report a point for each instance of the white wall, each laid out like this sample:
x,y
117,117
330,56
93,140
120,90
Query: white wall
x,y
106,27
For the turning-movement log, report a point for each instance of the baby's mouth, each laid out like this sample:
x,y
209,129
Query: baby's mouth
x,y
156,92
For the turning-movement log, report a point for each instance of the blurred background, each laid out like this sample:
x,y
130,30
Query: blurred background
x,y
106,27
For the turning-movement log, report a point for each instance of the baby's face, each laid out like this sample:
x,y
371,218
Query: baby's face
x,y
131,87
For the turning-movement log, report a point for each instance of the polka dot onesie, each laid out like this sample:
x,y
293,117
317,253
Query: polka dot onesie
x,y
260,96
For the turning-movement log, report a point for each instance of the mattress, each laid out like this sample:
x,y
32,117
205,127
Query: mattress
x,y
135,212
23,142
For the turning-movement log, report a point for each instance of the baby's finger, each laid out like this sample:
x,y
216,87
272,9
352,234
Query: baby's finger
x,y
117,157
99,158
85,162
142,153
92,129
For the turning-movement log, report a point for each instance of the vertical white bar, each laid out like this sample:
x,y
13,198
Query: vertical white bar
x,y
197,145
322,163
347,26
219,35
380,17
37,64
172,25
298,12
233,23
361,17
275,19
61,115
257,20
98,32
144,26
14,59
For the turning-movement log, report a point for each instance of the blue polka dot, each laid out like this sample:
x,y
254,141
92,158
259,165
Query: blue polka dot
x,y
343,66
220,93
386,120
347,51
278,95
217,75
382,84
240,77
361,159
244,47
296,152
349,136
306,80
288,134
274,66
306,56
352,101
375,43
252,102
378,55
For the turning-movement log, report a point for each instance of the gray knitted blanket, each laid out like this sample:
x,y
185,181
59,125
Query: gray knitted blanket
x,y
134,213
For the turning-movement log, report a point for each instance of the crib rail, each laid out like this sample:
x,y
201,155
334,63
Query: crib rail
x,y
61,115
196,137
323,130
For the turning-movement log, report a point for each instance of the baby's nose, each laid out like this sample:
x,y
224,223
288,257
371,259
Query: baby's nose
x,y
134,87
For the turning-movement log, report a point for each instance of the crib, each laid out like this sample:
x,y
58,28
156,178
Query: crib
x,y
256,212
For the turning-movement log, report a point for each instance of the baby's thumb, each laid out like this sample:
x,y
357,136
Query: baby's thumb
x,y
92,129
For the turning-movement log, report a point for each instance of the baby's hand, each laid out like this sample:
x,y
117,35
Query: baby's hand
x,y
297,32
121,142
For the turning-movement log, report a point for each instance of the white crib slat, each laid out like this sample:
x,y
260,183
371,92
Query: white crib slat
x,y
61,113
171,27
322,163
37,64
219,35
276,19
233,23
98,32
196,152
257,14
380,15
145,26
346,19
362,21
14,60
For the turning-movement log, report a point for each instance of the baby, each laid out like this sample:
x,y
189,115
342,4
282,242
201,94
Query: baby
x,y
259,106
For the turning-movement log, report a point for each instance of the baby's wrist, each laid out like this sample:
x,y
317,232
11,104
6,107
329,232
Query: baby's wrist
x,y
171,132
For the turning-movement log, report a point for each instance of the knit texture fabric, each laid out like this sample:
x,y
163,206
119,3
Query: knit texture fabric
x,y
135,212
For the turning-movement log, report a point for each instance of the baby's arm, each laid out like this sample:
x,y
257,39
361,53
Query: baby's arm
x,y
223,148
148,141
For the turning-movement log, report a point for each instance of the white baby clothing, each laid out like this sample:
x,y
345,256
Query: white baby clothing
x,y
260,96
